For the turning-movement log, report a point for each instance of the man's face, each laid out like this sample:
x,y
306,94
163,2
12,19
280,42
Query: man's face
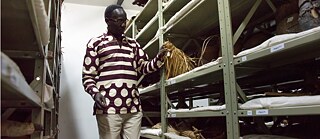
x,y
117,22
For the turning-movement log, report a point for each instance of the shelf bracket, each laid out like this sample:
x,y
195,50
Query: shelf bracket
x,y
242,95
169,102
7,113
274,9
22,54
246,21
186,45
197,43
149,120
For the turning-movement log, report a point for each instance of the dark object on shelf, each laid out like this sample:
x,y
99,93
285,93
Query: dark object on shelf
x,y
140,2
288,24
287,17
309,11
150,79
182,103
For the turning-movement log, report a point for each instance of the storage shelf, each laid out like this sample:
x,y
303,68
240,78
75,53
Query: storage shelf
x,y
152,114
174,6
197,114
284,53
49,74
196,78
29,30
149,47
194,25
143,18
299,110
20,92
186,21
150,136
149,11
191,80
128,30
148,31
150,89
287,54
15,91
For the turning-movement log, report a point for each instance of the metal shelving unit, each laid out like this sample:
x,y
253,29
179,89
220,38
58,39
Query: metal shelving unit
x,y
184,22
22,40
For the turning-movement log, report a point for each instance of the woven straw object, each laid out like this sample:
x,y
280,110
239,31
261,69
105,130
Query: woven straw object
x,y
177,62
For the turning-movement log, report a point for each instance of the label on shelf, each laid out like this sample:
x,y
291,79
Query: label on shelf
x,y
249,112
172,115
171,82
244,58
277,47
262,112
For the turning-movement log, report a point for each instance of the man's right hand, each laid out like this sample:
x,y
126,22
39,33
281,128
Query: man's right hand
x,y
100,100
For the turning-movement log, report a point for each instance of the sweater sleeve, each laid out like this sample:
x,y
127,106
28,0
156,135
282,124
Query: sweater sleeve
x,y
144,65
90,67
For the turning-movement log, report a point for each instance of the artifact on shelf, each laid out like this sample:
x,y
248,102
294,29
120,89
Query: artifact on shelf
x,y
170,128
309,14
287,17
252,38
11,128
295,16
193,134
177,62
209,50
181,103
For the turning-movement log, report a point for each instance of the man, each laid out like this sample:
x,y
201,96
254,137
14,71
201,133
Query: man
x,y
112,66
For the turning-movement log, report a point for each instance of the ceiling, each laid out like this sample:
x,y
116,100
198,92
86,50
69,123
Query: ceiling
x,y
127,4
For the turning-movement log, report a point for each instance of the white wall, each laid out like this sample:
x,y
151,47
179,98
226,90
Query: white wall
x,y
79,23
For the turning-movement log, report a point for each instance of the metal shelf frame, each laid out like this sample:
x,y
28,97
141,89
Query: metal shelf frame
x,y
39,63
220,15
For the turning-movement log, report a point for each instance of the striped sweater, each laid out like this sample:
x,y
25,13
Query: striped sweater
x,y
114,70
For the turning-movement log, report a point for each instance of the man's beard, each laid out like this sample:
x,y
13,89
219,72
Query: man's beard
x,y
117,32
